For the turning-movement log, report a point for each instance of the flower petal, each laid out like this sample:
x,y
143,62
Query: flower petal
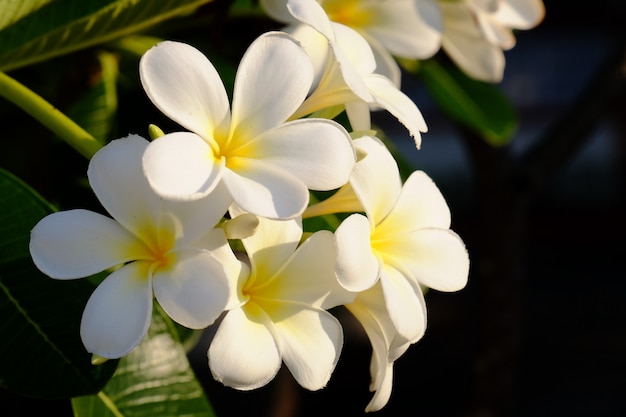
x,y
261,100
273,243
387,96
265,190
277,10
78,243
117,315
308,277
117,179
357,268
520,14
376,179
243,353
310,342
318,152
181,166
435,258
185,86
193,290
312,14
405,304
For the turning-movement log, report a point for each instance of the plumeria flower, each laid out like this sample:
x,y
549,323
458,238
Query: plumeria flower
x,y
402,243
345,72
266,164
152,243
404,28
477,31
281,316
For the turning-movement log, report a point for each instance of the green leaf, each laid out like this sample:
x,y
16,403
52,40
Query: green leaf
x,y
12,10
479,106
95,110
42,354
155,379
60,27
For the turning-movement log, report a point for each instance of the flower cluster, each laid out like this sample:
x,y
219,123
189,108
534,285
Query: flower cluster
x,y
472,32
208,221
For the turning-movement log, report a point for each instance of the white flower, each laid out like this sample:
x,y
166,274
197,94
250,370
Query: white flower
x,y
403,28
477,31
267,165
405,242
281,315
154,243
346,72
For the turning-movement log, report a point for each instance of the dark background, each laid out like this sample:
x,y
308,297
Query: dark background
x,y
540,329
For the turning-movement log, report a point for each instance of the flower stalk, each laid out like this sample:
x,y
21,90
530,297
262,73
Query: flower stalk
x,y
48,115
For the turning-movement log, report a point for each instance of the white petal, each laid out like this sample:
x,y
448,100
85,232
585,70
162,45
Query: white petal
x,y
387,96
316,47
312,14
357,268
181,166
401,29
310,344
406,307
78,243
265,190
273,243
376,179
185,86
435,258
386,64
357,50
359,115
520,14
261,99
243,353
193,290
197,217
318,152
117,315
308,277
419,205
116,177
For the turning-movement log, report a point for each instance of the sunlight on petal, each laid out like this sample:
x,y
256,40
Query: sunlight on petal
x,y
357,268
310,341
78,243
193,290
117,315
243,353
181,166
185,86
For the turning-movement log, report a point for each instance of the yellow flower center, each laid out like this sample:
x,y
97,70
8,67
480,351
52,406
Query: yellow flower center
x,y
348,12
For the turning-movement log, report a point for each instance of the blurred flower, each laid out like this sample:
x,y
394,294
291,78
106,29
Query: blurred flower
x,y
404,28
281,313
345,72
154,244
267,165
477,31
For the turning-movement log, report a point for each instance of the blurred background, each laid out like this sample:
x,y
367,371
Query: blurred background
x,y
540,330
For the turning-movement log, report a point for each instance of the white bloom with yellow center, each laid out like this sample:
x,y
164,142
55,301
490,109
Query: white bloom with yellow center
x,y
266,164
345,72
153,243
404,242
281,317
403,28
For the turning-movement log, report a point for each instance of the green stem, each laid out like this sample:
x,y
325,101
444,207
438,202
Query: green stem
x,y
48,115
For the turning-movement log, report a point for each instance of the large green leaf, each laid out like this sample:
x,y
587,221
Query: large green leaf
x,y
155,379
480,106
62,26
40,348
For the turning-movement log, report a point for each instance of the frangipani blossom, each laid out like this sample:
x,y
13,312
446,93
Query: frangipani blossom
x,y
476,32
153,243
404,28
266,164
404,242
281,315
346,72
